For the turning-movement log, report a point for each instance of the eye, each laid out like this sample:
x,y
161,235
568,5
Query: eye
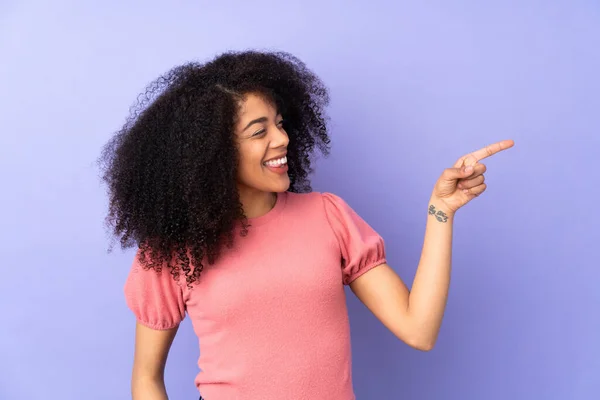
x,y
280,123
259,133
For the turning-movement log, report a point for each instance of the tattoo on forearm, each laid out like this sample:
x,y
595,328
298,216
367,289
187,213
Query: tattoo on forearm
x,y
439,215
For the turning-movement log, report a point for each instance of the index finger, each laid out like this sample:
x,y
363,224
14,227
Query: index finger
x,y
492,149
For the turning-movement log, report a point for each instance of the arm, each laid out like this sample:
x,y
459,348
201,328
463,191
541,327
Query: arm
x,y
151,351
414,317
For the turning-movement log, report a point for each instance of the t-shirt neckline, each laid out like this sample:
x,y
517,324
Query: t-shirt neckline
x,y
273,213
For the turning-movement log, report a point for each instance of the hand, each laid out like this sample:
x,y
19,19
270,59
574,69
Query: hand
x,y
465,181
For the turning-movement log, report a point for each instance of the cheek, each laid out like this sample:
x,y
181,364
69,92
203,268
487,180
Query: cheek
x,y
249,165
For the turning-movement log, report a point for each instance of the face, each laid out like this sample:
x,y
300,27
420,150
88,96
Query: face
x,y
262,144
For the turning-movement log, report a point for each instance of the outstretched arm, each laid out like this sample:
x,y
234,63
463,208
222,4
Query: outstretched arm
x,y
415,316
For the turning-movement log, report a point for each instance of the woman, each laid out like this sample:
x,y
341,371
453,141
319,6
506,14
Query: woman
x,y
209,180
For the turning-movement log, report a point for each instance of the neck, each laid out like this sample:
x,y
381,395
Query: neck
x,y
256,203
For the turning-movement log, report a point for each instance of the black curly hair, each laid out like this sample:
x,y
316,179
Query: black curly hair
x,y
171,170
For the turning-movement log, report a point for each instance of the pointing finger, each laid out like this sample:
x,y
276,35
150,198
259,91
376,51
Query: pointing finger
x,y
472,158
492,149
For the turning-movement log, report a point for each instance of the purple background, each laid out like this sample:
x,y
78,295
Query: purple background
x,y
414,86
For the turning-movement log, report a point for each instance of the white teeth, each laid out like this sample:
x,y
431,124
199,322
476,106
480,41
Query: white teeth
x,y
276,163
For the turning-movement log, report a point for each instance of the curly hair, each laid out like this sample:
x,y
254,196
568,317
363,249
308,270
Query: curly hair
x,y
171,169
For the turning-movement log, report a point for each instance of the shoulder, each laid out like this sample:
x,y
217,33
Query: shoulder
x,y
358,243
317,200
326,206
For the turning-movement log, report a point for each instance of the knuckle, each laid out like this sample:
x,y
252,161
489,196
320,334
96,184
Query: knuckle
x,y
483,186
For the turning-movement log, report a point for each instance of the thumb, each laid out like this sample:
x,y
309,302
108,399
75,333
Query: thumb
x,y
452,174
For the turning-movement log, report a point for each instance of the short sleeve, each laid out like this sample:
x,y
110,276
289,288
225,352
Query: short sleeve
x,y
362,248
155,298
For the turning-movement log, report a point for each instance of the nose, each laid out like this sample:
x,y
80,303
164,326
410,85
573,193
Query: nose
x,y
279,138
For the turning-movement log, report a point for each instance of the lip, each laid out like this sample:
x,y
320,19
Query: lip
x,y
276,158
278,170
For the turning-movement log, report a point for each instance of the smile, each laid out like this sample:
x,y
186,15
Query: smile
x,y
278,163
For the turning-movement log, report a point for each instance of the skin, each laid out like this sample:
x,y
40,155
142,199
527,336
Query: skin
x,y
260,137
414,316
150,357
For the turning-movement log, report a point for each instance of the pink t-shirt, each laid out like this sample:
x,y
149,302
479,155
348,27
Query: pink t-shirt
x,y
271,314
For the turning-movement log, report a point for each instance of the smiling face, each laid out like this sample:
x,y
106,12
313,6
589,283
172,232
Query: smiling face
x,y
262,145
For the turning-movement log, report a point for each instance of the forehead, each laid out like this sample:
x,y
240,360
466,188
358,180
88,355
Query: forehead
x,y
255,106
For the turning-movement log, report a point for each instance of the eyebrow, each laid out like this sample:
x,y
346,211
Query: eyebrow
x,y
255,121
259,121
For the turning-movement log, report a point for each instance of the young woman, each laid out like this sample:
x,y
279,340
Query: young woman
x,y
209,180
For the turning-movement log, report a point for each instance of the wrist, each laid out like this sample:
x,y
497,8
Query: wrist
x,y
437,208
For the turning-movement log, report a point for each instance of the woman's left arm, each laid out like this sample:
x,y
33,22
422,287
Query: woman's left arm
x,y
415,316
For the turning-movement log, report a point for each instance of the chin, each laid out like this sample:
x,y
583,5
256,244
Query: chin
x,y
282,186
269,184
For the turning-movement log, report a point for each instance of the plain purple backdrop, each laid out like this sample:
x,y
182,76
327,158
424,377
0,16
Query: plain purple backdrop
x,y
414,85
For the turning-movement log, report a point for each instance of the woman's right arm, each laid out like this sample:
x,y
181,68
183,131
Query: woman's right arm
x,y
150,357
